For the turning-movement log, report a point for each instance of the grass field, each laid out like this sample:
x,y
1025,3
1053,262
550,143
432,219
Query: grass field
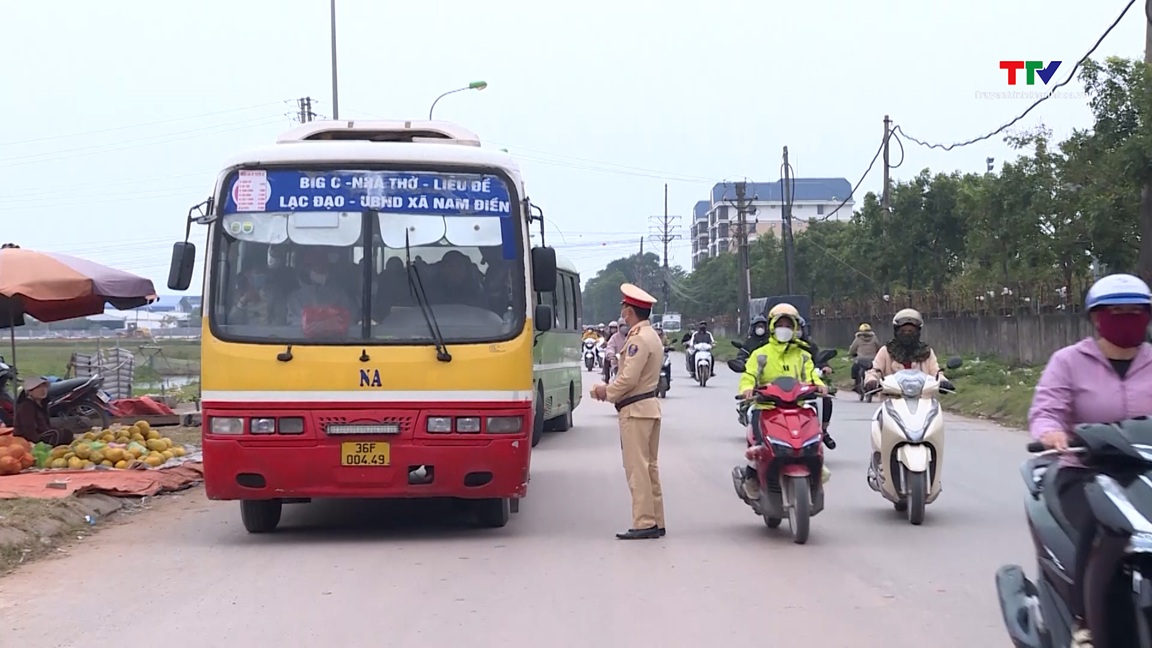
x,y
153,360
986,387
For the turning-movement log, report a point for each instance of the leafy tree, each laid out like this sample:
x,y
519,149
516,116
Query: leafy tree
x,y
1025,237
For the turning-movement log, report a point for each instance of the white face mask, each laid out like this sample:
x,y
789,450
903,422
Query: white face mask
x,y
760,330
784,334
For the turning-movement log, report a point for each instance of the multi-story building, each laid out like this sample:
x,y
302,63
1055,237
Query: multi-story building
x,y
714,221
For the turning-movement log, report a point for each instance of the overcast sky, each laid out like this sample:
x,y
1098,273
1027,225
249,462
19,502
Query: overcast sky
x,y
118,114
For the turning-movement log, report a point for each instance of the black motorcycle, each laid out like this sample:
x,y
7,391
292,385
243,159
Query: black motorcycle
x,y
1117,587
665,374
73,397
861,367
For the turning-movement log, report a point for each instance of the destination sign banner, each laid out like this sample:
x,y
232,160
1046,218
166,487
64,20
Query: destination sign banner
x,y
415,193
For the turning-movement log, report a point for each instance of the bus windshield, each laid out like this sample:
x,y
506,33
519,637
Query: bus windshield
x,y
419,246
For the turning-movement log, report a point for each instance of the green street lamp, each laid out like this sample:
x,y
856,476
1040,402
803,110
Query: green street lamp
x,y
475,85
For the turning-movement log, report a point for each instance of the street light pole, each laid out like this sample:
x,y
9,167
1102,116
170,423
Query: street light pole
x,y
475,85
335,85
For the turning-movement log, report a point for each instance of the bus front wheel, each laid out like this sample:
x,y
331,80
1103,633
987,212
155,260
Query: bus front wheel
x,y
538,417
493,513
260,516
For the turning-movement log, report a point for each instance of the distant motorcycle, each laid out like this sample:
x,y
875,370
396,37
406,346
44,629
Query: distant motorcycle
x,y
665,374
862,366
702,360
591,359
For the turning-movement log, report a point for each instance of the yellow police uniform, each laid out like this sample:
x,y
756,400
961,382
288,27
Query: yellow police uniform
x,y
634,395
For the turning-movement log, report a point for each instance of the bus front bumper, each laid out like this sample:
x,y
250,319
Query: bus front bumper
x,y
236,469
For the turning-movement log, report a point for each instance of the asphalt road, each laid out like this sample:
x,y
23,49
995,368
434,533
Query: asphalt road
x,y
374,574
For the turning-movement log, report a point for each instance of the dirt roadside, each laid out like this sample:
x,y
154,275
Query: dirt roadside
x,y
32,528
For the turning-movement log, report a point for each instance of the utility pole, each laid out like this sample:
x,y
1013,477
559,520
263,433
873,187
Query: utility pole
x,y
305,114
885,196
665,233
335,85
789,241
1144,260
742,316
640,266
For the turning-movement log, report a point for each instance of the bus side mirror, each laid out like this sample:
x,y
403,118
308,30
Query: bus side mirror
x,y
183,262
543,269
542,317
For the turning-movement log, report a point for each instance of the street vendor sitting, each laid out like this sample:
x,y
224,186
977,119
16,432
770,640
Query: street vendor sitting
x,y
31,420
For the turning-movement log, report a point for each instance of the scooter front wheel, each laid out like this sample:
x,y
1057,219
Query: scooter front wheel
x,y
799,508
917,497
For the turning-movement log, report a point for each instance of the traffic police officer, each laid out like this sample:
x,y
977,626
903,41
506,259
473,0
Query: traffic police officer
x,y
634,395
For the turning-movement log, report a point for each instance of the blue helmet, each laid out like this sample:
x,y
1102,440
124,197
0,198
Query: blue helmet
x,y
1118,290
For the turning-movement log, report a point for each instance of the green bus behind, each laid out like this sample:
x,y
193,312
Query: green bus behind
x,y
556,355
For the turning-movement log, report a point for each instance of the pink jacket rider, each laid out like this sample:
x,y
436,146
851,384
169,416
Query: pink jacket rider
x,y
1079,386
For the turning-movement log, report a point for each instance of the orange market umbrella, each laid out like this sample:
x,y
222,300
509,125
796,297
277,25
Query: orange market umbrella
x,y
53,287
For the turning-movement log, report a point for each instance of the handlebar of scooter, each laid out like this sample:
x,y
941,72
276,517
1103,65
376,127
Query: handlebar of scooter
x,y
1073,444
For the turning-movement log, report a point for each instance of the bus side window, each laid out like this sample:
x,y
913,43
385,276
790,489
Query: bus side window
x,y
577,304
561,307
569,303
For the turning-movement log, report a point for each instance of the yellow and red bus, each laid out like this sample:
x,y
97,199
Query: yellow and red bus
x,y
369,315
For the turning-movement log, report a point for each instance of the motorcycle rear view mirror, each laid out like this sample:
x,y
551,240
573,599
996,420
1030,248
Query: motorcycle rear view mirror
x,y
955,362
736,344
824,356
736,366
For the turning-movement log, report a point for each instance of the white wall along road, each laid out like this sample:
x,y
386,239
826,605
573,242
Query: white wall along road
x,y
376,575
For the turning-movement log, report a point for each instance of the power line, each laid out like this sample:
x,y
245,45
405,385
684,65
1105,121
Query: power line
x,y
143,125
856,187
1071,77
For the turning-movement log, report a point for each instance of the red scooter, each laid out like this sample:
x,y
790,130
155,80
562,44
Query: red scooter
x,y
786,447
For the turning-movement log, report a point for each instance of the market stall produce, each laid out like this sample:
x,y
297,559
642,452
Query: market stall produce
x,y
119,447
15,454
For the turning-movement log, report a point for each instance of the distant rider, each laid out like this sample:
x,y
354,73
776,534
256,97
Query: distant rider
x,y
786,357
590,334
757,336
905,351
826,404
1097,380
616,334
701,336
863,350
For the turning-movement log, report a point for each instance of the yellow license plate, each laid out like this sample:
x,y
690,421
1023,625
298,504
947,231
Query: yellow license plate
x,y
364,454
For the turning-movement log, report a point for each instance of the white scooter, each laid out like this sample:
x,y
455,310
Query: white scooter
x,y
908,441
702,358
591,359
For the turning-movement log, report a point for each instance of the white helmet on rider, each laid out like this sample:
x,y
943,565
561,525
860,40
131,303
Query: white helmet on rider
x,y
908,316
1118,290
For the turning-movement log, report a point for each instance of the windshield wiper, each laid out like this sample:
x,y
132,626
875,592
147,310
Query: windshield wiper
x,y
417,288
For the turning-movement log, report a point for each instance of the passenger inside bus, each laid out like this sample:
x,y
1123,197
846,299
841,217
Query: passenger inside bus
x,y
315,292
456,281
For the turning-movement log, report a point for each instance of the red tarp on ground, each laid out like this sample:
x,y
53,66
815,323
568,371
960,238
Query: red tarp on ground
x,y
118,483
142,406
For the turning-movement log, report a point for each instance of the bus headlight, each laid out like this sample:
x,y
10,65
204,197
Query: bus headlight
x,y
440,424
469,424
262,426
504,424
221,425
